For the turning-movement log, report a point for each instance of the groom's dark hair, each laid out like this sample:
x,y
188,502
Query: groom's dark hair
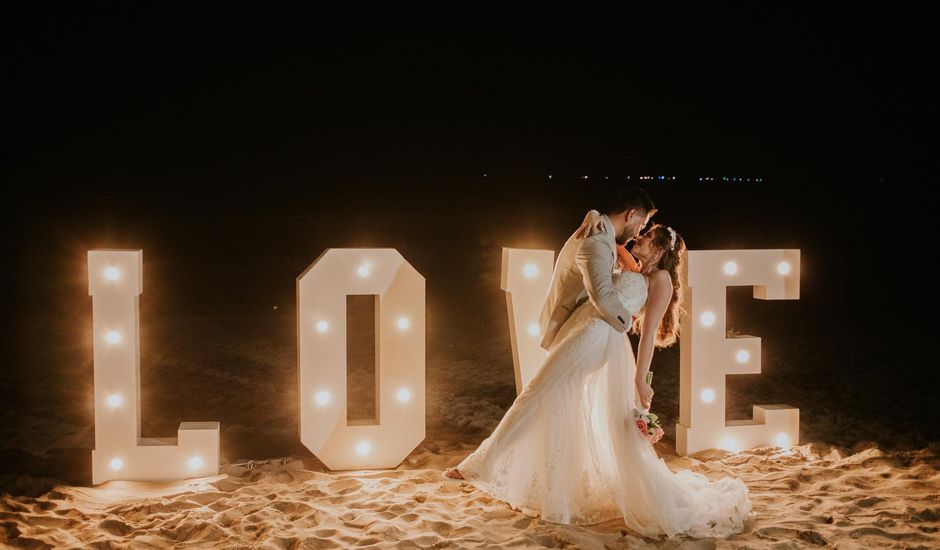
x,y
626,199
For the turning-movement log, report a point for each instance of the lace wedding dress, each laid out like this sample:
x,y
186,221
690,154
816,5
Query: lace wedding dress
x,y
569,450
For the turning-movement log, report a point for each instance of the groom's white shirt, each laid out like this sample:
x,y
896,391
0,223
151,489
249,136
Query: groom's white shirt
x,y
583,271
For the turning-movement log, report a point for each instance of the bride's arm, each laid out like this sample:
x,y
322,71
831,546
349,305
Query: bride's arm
x,y
660,294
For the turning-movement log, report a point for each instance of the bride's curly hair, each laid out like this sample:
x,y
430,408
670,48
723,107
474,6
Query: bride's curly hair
x,y
672,261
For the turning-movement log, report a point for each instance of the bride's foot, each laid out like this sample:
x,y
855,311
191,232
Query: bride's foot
x,y
453,473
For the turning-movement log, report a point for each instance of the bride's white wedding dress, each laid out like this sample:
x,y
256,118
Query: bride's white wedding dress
x,y
568,448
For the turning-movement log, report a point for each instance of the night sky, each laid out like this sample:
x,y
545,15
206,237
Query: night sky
x,y
235,146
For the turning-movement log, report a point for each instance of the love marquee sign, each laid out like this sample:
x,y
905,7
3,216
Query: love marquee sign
x,y
115,282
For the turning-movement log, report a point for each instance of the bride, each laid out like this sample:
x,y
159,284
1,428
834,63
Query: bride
x,y
568,449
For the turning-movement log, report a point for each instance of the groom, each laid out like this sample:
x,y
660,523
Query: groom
x,y
584,268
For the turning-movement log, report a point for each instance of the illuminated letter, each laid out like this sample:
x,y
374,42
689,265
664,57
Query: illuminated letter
x,y
115,281
707,355
382,442
526,277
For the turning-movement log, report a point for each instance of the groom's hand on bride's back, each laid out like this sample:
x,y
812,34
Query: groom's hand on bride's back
x,y
593,223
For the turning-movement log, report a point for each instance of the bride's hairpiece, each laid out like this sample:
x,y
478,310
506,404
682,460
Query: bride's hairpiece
x,y
672,234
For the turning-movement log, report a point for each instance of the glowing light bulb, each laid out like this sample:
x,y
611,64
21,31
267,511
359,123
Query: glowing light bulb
x,y
782,440
404,395
322,398
112,274
113,337
195,463
117,464
115,400
363,270
707,395
783,268
530,270
708,318
322,326
731,268
533,329
403,323
363,448
743,356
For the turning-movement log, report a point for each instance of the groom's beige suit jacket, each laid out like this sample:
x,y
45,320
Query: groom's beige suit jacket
x,y
583,271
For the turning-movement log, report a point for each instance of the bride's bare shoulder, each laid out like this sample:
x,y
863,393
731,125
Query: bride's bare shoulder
x,y
660,277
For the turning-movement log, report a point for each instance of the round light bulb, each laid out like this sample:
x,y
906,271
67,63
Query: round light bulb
x,y
403,323
117,463
708,318
783,268
707,395
195,463
731,268
533,329
363,271
115,400
112,274
530,270
743,356
322,398
782,440
404,395
322,326
363,448
113,337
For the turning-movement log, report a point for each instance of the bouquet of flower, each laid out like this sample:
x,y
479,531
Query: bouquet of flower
x,y
647,422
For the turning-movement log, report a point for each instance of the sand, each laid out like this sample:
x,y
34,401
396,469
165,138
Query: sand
x,y
810,495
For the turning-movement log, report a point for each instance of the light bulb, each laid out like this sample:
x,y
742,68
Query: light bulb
x,y
322,326
731,268
530,270
404,395
117,464
363,270
322,398
195,463
113,337
363,448
403,323
743,356
708,318
115,400
112,274
783,268
533,329
707,395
